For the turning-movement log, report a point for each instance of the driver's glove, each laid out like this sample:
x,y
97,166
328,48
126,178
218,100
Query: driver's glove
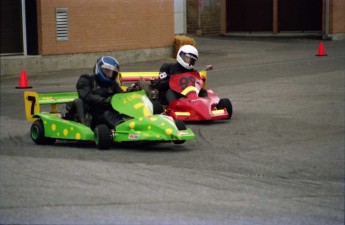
x,y
107,101
133,87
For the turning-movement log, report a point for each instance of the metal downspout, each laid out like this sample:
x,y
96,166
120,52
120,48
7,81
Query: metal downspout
x,y
326,34
25,48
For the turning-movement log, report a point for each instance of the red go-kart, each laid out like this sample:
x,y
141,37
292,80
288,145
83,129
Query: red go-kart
x,y
196,103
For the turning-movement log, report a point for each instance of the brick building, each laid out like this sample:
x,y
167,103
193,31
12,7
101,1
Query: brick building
x,y
77,32
46,35
90,26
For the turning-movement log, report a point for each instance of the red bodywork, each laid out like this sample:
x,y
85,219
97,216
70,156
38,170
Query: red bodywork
x,y
191,107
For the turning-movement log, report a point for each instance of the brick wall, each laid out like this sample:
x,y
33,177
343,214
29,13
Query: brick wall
x,y
337,16
106,25
209,20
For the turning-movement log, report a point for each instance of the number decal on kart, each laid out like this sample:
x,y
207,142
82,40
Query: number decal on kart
x,y
146,111
139,103
32,99
31,104
187,81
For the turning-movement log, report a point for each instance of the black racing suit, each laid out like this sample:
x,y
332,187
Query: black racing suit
x,y
166,94
96,96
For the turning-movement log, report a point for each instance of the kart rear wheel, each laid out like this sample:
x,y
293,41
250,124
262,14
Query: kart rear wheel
x,y
103,137
180,126
225,103
37,134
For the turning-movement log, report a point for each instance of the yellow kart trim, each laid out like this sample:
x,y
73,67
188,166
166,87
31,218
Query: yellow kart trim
x,y
135,76
182,113
189,89
217,112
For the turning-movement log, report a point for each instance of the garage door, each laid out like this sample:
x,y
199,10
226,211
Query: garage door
x,y
249,15
11,27
297,15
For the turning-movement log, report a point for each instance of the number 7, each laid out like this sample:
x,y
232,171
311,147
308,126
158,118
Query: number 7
x,y
31,105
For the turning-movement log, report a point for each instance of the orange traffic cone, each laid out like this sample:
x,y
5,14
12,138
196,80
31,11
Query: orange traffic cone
x,y
321,51
23,81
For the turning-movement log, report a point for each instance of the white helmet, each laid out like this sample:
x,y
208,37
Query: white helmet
x,y
187,55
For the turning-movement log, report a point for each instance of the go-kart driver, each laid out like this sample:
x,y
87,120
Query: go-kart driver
x,y
96,90
186,58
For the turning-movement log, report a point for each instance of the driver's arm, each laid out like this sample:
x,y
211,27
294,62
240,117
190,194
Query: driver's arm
x,y
116,88
163,80
84,88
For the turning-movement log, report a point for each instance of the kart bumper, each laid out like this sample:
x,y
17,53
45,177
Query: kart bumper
x,y
187,116
133,135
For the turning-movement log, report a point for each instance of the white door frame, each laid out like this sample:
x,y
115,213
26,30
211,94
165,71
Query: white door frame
x,y
180,16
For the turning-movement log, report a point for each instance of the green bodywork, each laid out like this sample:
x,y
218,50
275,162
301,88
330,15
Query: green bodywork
x,y
140,123
56,127
57,98
144,126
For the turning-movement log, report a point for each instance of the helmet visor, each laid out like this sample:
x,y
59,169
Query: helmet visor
x,y
110,67
188,58
110,70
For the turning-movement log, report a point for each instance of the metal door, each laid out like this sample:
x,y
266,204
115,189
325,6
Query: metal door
x,y
297,15
249,15
11,41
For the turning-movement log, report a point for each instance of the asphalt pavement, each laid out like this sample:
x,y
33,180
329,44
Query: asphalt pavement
x,y
278,160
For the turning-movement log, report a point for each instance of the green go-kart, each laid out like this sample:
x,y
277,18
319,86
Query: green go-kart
x,y
140,124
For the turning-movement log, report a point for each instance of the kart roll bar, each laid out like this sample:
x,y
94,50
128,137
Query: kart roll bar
x,y
135,76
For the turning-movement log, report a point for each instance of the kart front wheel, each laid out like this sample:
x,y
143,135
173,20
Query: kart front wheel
x,y
37,134
180,126
225,103
103,137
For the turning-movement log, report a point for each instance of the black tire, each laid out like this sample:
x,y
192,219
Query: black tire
x,y
225,103
157,107
37,134
103,137
180,126
203,93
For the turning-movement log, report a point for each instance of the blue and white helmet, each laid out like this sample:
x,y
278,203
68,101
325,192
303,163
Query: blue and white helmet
x,y
107,63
